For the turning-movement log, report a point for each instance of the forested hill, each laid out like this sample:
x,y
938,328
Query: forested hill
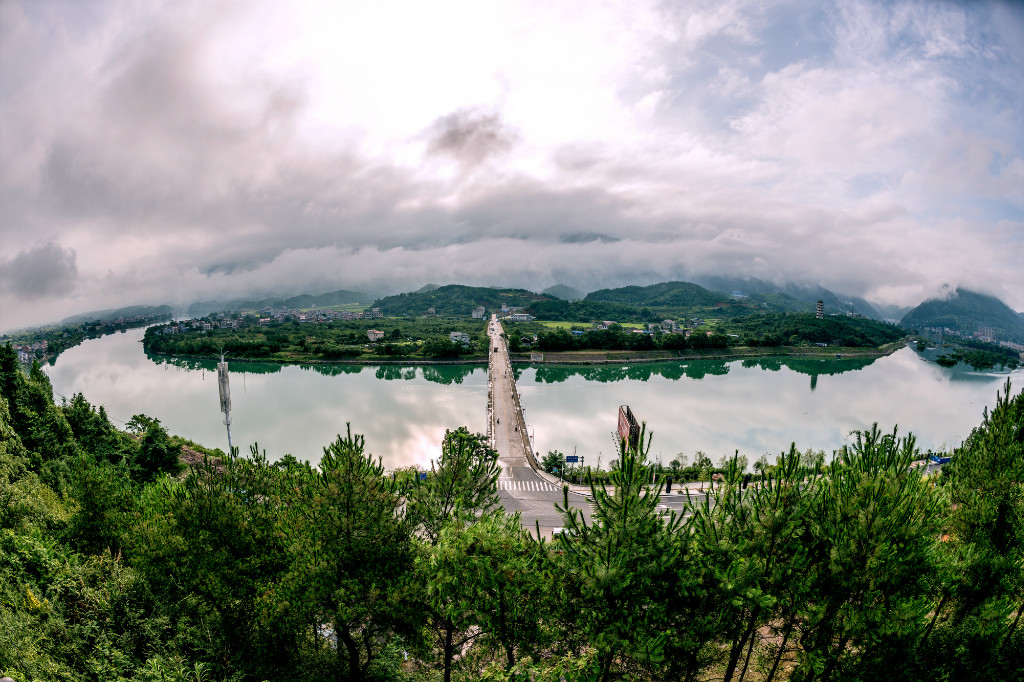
x,y
967,311
456,299
331,298
566,293
808,294
665,294
134,311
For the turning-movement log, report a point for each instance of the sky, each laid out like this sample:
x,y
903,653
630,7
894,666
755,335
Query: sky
x,y
156,151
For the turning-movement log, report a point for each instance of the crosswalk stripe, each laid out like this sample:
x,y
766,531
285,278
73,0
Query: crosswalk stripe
x,y
526,486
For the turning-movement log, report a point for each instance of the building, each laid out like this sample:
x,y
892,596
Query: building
x,y
459,337
628,427
819,312
374,334
520,317
478,312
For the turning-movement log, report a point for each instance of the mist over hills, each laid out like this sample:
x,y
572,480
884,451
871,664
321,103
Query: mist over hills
x,y
967,312
455,299
564,292
962,309
116,313
326,300
836,303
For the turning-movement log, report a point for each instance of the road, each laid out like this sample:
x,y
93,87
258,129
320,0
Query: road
x,y
520,487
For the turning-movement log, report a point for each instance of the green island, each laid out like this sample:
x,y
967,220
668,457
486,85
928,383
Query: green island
x,y
135,556
436,338
979,355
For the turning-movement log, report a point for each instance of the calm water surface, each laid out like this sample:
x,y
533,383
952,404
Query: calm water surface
x,y
713,406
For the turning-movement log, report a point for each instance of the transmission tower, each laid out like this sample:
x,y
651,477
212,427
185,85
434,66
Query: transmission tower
x,y
225,394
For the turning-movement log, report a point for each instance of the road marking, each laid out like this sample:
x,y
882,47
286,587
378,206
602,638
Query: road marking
x,y
526,486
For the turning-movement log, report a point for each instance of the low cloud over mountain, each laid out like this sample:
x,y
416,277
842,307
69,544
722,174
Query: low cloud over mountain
x,y
174,151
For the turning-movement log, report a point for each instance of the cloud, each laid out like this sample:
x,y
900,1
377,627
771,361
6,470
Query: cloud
x,y
470,136
230,147
42,271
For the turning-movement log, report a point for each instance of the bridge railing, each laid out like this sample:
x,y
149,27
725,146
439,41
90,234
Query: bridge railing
x,y
520,419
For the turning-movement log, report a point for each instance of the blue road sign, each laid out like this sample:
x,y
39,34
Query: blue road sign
x,y
423,476
572,459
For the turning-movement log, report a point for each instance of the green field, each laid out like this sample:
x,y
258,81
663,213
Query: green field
x,y
582,325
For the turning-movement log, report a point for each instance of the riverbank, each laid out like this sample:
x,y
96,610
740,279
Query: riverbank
x,y
597,357
601,357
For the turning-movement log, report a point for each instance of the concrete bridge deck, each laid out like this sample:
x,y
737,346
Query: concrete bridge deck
x,y
522,486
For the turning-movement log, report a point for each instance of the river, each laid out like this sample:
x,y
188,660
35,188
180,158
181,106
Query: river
x,y
716,407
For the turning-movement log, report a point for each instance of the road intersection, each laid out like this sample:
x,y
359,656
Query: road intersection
x,y
522,485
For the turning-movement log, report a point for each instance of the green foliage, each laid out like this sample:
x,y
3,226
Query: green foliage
x,y
754,550
676,294
351,554
462,485
485,583
553,462
587,311
336,340
619,567
978,354
966,311
59,338
805,329
872,530
455,300
112,570
44,432
157,454
980,580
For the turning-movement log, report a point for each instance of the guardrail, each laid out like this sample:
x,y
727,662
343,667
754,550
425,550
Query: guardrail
x,y
520,419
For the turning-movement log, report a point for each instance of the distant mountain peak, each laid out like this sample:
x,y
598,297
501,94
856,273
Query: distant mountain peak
x,y
967,312
564,292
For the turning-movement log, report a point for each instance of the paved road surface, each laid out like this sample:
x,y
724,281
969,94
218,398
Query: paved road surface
x,y
520,488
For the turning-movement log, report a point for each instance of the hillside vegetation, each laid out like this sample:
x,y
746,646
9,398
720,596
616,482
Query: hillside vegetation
x,y
326,300
666,294
455,300
117,565
966,311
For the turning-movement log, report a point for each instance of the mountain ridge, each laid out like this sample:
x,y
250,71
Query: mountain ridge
x,y
967,311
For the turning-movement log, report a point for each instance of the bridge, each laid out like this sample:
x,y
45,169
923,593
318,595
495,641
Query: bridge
x,y
522,485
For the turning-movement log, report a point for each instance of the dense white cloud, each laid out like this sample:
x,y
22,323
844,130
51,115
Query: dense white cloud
x,y
158,151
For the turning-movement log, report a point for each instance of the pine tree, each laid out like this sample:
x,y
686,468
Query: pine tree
x,y
352,554
621,565
873,528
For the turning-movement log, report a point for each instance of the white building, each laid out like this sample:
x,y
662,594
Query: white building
x,y
478,312
374,334
459,337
